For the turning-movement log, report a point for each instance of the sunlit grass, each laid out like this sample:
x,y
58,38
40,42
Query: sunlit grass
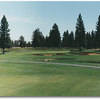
x,y
30,79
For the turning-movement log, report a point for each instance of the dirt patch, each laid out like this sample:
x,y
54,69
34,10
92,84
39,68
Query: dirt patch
x,y
38,54
46,59
74,53
43,55
86,53
48,55
60,54
94,54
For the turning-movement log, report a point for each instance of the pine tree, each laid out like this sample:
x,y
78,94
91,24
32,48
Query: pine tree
x,y
28,44
47,41
93,39
98,33
88,40
9,45
65,39
71,39
38,39
22,42
54,37
12,43
16,43
4,34
80,33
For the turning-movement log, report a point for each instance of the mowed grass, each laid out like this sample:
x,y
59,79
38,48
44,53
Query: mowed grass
x,y
30,79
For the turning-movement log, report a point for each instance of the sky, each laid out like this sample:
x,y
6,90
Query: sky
x,y
25,16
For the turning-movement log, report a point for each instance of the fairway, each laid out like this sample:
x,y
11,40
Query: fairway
x,y
18,77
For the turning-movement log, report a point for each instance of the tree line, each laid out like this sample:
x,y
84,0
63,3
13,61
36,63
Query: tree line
x,y
78,39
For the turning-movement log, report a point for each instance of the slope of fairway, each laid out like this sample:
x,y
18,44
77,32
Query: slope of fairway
x,y
41,79
19,79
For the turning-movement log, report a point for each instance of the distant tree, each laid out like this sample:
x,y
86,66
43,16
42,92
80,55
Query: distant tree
x,y
25,44
28,44
93,39
38,38
88,40
9,45
65,39
80,33
71,39
12,43
54,37
47,41
42,39
16,43
98,33
22,42
4,34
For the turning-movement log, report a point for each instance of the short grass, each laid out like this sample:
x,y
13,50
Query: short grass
x,y
28,79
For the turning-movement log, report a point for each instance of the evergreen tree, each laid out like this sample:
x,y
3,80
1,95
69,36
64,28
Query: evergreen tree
x,y
16,43
93,39
25,44
71,39
47,41
21,41
88,40
54,37
38,39
80,33
42,39
98,33
28,44
9,45
4,34
65,39
12,43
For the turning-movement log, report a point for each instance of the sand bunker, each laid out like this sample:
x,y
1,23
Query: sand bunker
x,y
94,54
86,53
46,59
48,55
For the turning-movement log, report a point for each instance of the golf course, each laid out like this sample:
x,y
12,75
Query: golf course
x,y
49,48
50,72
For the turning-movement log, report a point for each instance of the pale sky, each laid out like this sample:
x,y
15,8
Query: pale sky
x,y
24,17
